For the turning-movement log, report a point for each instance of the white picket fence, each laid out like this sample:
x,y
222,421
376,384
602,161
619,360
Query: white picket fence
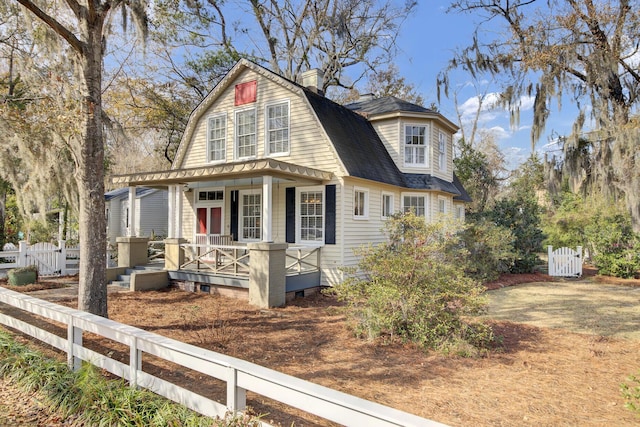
x,y
240,376
565,262
51,260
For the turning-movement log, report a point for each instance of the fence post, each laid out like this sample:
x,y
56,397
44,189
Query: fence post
x,y
236,396
23,246
135,362
74,336
552,270
62,257
579,250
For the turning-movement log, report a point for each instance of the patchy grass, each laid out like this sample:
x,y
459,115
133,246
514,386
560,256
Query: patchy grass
x,y
577,306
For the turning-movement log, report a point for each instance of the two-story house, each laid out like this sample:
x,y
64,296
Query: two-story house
x,y
265,159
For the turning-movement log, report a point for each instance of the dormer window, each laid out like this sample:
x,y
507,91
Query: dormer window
x,y
415,145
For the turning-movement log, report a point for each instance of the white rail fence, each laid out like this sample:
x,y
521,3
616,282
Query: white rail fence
x,y
565,262
50,259
240,376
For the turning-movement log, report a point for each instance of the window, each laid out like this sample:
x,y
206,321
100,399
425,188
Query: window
x,y
459,213
246,133
216,140
360,204
311,217
415,145
415,204
387,205
442,206
250,215
442,152
210,195
277,117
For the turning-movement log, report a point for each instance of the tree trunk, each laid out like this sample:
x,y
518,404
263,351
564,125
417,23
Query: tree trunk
x,y
92,294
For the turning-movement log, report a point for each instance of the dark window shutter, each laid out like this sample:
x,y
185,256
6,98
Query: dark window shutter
x,y
235,205
330,215
290,210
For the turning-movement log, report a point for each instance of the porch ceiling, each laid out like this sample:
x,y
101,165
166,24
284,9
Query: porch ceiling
x,y
251,168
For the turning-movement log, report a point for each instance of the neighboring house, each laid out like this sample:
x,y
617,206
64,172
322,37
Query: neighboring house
x,y
267,159
151,213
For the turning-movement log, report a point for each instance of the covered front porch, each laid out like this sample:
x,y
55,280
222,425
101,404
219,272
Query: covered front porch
x,y
257,225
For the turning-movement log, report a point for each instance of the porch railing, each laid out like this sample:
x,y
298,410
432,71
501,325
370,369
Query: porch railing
x,y
302,259
220,259
233,259
155,249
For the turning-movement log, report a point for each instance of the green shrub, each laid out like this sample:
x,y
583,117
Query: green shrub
x,y
631,394
490,249
521,215
23,275
616,248
412,287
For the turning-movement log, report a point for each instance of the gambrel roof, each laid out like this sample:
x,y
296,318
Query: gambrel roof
x,y
356,144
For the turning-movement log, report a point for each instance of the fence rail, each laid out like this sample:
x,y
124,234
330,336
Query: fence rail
x,y
240,376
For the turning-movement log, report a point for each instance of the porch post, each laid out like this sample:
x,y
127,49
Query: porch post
x,y
132,212
171,211
267,274
178,214
132,251
173,254
267,202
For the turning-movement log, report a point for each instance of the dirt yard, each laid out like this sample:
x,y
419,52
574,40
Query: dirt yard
x,y
567,346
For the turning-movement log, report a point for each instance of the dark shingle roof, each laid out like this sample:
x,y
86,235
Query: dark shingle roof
x,y
386,104
356,141
364,154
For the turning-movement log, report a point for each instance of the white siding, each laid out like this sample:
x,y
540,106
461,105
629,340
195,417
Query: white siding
x,y
152,214
308,145
114,220
391,134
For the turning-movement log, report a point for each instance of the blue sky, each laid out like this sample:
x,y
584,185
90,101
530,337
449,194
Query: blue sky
x,y
427,41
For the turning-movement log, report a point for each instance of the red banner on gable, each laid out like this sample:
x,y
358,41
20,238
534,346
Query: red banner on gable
x,y
246,92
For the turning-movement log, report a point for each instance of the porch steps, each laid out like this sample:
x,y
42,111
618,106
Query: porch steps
x,y
124,280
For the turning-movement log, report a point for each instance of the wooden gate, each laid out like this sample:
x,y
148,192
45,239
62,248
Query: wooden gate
x,y
46,257
565,262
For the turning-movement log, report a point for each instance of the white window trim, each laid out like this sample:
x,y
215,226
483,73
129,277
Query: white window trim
x,y
365,214
444,200
266,128
427,145
224,158
442,153
382,196
299,240
235,133
427,215
242,193
207,203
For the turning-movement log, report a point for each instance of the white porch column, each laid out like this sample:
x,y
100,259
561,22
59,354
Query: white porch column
x,y
132,212
171,198
178,216
267,211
